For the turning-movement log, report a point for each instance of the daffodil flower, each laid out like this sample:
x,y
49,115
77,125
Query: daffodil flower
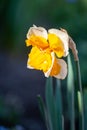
x,y
47,49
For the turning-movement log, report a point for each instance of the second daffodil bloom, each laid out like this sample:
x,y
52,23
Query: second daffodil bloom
x,y
47,49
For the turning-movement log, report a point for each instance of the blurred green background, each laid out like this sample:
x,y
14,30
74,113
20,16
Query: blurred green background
x,y
16,16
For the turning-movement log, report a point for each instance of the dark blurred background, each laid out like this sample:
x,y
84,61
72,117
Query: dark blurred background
x,y
20,86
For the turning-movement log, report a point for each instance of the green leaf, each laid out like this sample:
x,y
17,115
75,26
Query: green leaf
x,y
79,102
43,111
50,104
80,106
85,108
70,94
41,106
58,103
80,97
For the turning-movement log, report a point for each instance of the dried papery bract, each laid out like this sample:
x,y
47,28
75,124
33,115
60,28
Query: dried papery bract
x,y
72,46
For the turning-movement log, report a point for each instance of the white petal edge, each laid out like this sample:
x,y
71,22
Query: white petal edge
x,y
37,31
63,71
64,38
49,71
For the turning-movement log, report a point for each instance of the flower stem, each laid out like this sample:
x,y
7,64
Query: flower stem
x,y
72,46
80,96
71,94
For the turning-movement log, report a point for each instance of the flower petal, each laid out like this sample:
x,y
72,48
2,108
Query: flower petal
x,y
63,70
38,41
64,38
38,59
37,31
56,44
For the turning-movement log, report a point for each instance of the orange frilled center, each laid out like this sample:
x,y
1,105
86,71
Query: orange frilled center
x,y
40,60
53,42
38,41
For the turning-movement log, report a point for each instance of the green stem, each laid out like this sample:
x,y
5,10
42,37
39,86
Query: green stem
x,y
81,106
43,111
72,46
70,94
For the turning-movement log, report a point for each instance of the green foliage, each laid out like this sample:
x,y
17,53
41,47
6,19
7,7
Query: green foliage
x,y
85,108
41,107
50,104
54,105
52,111
80,96
59,105
70,95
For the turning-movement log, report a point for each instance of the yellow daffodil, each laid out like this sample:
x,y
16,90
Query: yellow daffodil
x,y
44,48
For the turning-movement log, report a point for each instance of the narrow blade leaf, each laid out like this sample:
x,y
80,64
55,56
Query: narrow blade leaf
x,y
50,104
70,94
58,103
